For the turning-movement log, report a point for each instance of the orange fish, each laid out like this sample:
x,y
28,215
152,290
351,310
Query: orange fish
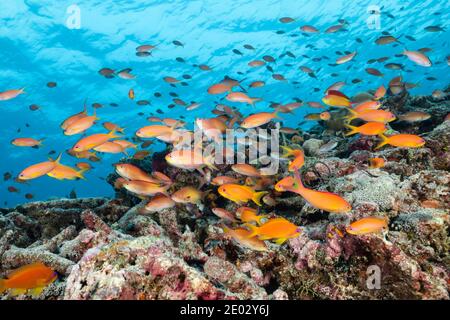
x,y
368,129
346,58
95,140
126,144
246,170
219,88
74,118
154,131
278,229
256,63
367,225
158,203
62,172
27,142
34,277
336,99
39,170
220,180
383,116
241,194
241,236
247,214
241,97
299,159
111,147
81,125
258,119
11,94
367,105
402,141
380,93
224,214
309,29
84,166
189,159
188,195
144,188
322,200
111,126
418,58
131,172
375,163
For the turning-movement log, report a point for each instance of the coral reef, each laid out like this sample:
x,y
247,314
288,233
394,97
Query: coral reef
x,y
111,249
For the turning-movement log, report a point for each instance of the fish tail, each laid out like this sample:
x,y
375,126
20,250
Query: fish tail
x,y
254,230
40,141
298,181
287,151
353,130
254,100
81,172
112,134
257,197
58,160
384,141
22,90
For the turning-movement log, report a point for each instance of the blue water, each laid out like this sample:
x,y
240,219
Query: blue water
x,y
37,47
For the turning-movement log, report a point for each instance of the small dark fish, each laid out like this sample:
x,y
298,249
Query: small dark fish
x,y
358,40
7,176
370,61
434,29
143,103
354,81
339,53
268,58
51,84
410,38
278,77
140,114
431,78
157,94
248,47
204,67
173,94
425,50
73,194
160,111
178,43
382,59
290,54
34,107
393,66
143,54
97,105
29,196
186,76
107,72
141,155
286,20
179,59
385,40
280,32
184,84
112,104
146,144
385,33
269,68
236,51
13,189
374,72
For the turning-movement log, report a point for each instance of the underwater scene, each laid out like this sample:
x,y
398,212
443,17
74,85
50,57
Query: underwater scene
x,y
224,150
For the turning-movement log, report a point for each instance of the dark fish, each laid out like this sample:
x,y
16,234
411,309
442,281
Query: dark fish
x,y
410,38
393,66
339,53
107,73
157,94
371,61
382,59
112,104
236,51
358,40
385,40
7,176
269,68
374,72
160,111
434,29
268,58
34,107
29,196
286,20
51,84
425,50
13,189
140,114
184,84
178,43
248,47
143,54
143,103
204,67
431,78
280,32
186,76
179,59
51,152
73,194
173,94
278,77
356,81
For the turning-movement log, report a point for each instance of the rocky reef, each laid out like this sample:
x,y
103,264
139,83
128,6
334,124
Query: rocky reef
x,y
107,249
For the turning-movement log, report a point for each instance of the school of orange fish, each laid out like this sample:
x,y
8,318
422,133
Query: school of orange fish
x,y
247,225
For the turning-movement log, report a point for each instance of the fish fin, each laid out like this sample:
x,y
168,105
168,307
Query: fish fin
x,y
280,241
257,197
80,173
40,142
2,286
352,128
254,100
298,184
112,134
384,141
253,230
58,160
85,106
36,292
